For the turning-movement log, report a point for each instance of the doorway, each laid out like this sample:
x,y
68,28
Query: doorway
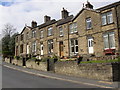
x,y
61,49
90,45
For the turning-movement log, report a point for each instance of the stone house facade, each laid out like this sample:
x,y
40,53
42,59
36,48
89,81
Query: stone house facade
x,y
92,32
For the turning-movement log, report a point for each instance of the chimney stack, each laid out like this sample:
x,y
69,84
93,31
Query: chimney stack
x,y
47,18
34,24
88,5
65,13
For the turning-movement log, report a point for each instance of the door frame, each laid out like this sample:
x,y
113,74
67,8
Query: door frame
x,y
90,45
61,45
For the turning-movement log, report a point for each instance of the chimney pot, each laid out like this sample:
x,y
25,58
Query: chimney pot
x,y
34,24
88,5
65,13
47,18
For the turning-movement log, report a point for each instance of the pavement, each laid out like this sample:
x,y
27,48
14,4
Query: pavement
x,y
17,77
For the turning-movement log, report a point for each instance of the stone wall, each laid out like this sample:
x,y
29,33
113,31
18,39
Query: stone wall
x,y
92,71
38,66
103,71
31,64
7,60
17,62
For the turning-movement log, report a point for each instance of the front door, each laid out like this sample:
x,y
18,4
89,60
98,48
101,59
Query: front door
x,y
41,48
90,45
28,49
61,49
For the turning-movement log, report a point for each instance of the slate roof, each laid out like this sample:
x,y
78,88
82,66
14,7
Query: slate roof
x,y
47,23
63,21
24,29
109,6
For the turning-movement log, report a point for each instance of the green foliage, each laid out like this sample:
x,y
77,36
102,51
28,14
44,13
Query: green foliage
x,y
101,61
8,45
12,45
5,46
33,58
44,59
16,57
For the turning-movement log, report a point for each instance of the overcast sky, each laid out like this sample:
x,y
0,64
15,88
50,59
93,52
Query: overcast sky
x,y
21,12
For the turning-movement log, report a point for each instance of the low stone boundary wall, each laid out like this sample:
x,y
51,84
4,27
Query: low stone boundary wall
x,y
36,65
7,60
100,71
112,57
106,72
17,62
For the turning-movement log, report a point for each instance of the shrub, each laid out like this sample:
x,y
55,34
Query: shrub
x,y
17,57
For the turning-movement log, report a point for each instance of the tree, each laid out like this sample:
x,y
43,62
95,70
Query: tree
x,y
12,44
5,46
8,29
8,41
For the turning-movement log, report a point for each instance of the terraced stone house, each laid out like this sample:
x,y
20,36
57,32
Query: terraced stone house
x,y
92,31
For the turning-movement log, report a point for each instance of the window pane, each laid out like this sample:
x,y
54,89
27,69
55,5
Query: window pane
x,y
71,28
106,43
89,44
104,19
76,42
72,42
49,31
41,34
76,48
112,40
75,27
109,17
61,31
72,48
88,22
50,46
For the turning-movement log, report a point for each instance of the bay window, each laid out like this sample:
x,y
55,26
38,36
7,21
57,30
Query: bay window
x,y
74,46
109,40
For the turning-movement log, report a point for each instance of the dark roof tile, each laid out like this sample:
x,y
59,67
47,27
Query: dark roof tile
x,y
63,21
47,23
109,6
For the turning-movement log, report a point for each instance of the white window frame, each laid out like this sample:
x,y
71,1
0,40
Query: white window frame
x,y
50,29
104,19
41,48
34,46
73,27
88,23
107,17
108,37
33,33
41,34
28,49
74,46
50,46
61,31
112,34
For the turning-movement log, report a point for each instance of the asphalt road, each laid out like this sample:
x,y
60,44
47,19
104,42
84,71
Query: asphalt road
x,y
17,79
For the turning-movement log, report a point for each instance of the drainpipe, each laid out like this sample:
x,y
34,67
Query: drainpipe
x,y
68,42
118,31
